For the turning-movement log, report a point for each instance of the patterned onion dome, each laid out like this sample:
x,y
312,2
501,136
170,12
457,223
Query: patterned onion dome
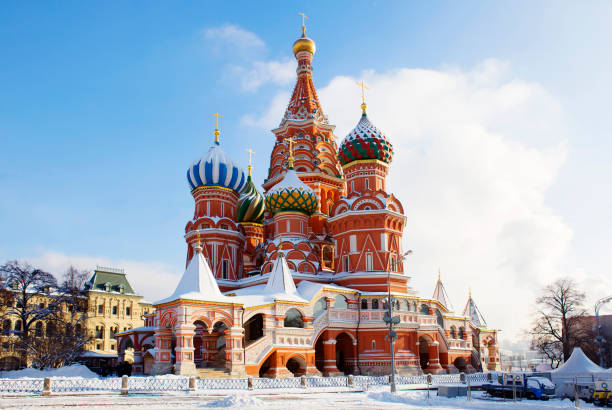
x,y
291,194
365,142
216,168
251,203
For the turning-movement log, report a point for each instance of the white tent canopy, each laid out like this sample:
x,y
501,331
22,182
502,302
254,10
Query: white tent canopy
x,y
577,364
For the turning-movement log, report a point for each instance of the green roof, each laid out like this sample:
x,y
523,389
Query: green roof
x,y
105,281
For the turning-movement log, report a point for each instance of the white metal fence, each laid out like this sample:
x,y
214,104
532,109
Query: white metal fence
x,y
161,384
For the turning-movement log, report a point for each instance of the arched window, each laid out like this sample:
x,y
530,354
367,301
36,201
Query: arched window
x,y
461,333
424,309
453,332
439,319
364,304
6,326
38,329
407,306
340,302
293,318
50,330
374,303
320,307
17,326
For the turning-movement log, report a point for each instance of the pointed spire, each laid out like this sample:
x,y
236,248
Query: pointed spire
x,y
440,294
280,280
198,281
471,310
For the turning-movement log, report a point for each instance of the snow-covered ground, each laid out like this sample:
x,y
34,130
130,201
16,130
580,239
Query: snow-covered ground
x,y
376,399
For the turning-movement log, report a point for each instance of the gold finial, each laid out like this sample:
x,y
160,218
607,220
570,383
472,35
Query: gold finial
x,y
363,88
291,141
469,292
438,274
304,17
217,116
251,152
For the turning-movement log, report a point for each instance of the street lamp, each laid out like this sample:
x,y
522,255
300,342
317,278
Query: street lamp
x,y
599,339
392,320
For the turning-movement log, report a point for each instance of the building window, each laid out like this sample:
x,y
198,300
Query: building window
x,y
374,303
345,262
364,304
112,347
128,311
99,346
340,302
222,209
367,183
115,310
352,186
373,344
369,261
225,269
225,227
393,264
41,305
99,332
353,243
320,307
293,318
6,326
100,309
38,332
18,326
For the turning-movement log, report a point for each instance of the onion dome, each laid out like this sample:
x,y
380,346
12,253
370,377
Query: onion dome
x,y
251,203
291,194
216,168
365,141
304,44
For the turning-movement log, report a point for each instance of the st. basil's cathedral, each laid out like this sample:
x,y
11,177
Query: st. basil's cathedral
x,y
295,280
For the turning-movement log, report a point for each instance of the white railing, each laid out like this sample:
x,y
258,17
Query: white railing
x,y
173,384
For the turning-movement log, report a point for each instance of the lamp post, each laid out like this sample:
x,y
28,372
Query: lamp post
x,y
599,339
392,320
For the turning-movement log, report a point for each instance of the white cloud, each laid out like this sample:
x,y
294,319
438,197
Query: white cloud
x,y
153,280
230,35
475,153
264,72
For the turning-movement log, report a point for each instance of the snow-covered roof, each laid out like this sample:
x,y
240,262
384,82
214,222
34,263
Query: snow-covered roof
x,y
290,181
280,279
471,310
441,296
578,363
197,283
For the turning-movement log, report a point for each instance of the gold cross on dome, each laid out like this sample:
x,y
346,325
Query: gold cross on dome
x,y
304,17
217,116
291,141
251,152
363,88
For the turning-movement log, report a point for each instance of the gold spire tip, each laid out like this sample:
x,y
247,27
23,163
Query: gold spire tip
x,y
216,132
438,274
251,152
291,141
304,17
363,88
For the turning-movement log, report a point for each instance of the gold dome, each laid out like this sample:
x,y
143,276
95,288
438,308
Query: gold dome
x,y
304,44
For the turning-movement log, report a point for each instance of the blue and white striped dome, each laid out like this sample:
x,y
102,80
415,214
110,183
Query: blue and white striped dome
x,y
216,168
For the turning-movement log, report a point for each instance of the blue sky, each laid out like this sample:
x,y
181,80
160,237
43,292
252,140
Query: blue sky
x,y
103,107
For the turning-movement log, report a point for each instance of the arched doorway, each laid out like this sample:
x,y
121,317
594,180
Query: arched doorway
x,y
297,366
217,345
423,352
319,354
199,349
344,353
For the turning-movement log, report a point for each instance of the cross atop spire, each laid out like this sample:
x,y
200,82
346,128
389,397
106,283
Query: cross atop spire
x,y
217,116
291,141
363,88
304,17
251,152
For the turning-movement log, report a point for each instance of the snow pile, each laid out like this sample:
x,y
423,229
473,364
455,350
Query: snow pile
x,y
75,370
238,400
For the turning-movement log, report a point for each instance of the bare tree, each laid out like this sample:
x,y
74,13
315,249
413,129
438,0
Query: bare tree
x,y
556,328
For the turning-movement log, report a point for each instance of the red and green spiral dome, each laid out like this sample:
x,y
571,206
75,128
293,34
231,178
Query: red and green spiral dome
x,y
365,142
